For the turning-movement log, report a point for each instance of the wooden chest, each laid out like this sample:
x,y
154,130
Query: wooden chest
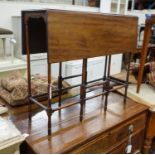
x,y
115,140
100,132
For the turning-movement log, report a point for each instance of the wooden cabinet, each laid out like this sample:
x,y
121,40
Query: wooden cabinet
x,y
116,139
100,132
137,142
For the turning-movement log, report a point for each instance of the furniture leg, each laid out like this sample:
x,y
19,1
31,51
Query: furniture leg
x,y
147,34
49,114
107,83
73,2
28,70
105,72
106,101
60,82
12,49
147,145
105,67
30,109
83,87
150,132
127,78
4,49
49,110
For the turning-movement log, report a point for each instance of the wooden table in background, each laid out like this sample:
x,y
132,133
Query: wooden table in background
x,y
146,45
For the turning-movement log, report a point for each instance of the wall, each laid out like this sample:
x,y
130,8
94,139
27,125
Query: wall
x,y
9,9
141,14
78,2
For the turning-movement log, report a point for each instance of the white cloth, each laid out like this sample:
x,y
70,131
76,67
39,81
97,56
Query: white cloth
x,y
3,110
9,134
145,96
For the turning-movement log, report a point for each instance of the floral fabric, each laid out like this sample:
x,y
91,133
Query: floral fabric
x,y
14,90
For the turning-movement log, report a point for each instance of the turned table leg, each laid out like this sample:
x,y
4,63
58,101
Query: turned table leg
x,y
147,34
150,132
147,145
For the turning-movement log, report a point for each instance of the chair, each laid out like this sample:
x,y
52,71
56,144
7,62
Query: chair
x,y
5,34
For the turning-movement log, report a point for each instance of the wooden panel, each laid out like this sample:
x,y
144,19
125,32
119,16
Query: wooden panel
x,y
151,125
76,35
137,142
107,140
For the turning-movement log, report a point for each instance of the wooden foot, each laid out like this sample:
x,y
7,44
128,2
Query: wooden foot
x,y
147,146
30,109
49,123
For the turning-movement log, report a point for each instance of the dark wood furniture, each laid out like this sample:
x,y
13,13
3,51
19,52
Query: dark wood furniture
x,y
70,35
100,132
150,124
147,34
86,36
150,132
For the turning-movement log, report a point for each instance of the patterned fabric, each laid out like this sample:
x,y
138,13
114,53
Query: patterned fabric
x,y
151,78
12,98
40,85
149,72
151,66
148,67
11,82
14,89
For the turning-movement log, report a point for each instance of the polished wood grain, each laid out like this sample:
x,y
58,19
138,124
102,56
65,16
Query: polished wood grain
x,y
105,142
69,135
77,35
137,142
65,37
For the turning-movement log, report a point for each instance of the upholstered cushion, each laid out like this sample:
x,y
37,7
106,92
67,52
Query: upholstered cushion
x,y
12,97
40,85
5,31
12,82
14,88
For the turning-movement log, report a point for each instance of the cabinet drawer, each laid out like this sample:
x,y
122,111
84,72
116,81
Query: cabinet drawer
x,y
137,142
101,143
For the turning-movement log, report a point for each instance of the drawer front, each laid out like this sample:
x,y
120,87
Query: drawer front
x,y
137,142
104,141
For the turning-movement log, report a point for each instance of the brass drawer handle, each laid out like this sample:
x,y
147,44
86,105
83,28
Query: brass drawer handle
x,y
130,129
129,145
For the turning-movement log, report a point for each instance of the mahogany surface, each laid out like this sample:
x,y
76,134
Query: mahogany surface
x,y
71,35
77,35
68,134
